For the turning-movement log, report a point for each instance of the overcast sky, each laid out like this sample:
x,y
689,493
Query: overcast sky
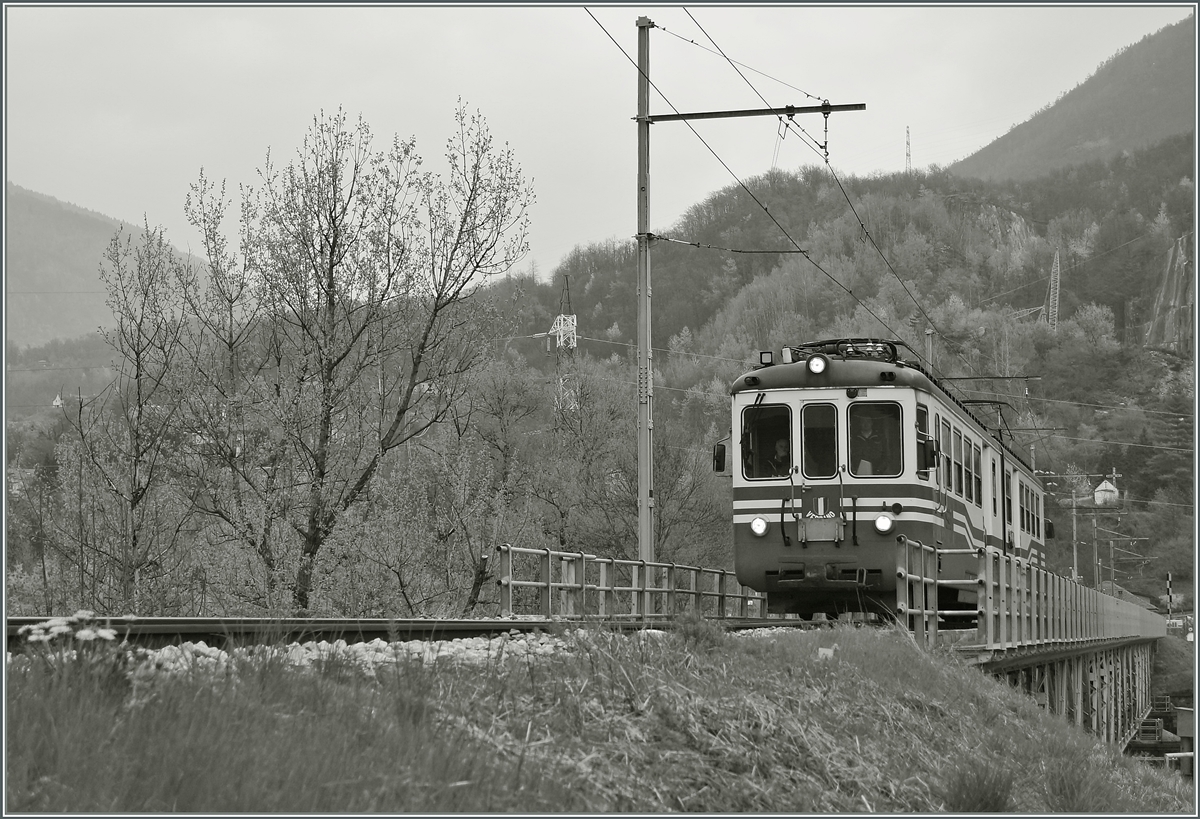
x,y
116,109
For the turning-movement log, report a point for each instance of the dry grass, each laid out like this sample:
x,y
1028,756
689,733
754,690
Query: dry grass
x,y
690,720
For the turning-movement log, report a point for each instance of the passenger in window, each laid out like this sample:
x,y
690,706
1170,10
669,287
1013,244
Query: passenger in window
x,y
780,462
866,445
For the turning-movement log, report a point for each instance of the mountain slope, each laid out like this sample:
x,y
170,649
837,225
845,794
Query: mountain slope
x,y
1138,97
51,267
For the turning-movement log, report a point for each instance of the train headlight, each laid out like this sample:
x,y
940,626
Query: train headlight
x,y
759,526
884,523
817,364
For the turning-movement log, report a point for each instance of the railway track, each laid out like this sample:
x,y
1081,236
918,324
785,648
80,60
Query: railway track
x,y
232,632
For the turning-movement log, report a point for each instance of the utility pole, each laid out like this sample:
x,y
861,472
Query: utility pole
x,y
1076,575
645,500
645,383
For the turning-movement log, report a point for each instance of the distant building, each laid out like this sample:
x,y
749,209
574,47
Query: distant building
x,y
1106,494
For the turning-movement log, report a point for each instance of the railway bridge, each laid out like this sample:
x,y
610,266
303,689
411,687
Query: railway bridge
x,y
1081,653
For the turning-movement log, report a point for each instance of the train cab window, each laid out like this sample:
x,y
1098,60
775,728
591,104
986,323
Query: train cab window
x,y
819,425
766,441
875,439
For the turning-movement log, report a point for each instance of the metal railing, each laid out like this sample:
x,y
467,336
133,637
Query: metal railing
x,y
1020,603
576,584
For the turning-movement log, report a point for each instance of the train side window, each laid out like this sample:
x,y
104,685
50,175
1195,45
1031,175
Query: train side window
x,y
946,484
958,463
819,431
995,511
968,472
876,433
922,437
937,433
1008,497
978,477
766,441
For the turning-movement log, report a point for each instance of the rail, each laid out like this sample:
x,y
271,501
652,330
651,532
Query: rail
x,y
576,584
1020,603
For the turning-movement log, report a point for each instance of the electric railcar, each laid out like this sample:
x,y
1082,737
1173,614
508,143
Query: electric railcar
x,y
846,445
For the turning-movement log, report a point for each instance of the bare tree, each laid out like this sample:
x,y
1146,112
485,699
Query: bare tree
x,y
365,273
124,435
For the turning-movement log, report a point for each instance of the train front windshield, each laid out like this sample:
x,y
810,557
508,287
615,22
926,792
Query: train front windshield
x,y
874,437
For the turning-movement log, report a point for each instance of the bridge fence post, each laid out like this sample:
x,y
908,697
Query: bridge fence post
x,y
506,578
567,567
602,591
544,589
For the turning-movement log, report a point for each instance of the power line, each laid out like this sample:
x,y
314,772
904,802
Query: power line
x,y
1071,269
789,124
669,351
108,366
1124,443
743,65
1080,403
743,185
716,247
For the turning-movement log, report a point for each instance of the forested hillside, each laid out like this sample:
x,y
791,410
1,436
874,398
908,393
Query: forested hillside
x,y
1138,97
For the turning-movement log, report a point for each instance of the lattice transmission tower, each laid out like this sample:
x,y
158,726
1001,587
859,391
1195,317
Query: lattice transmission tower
x,y
563,331
1051,313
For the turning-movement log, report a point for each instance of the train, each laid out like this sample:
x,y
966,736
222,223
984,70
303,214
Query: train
x,y
843,446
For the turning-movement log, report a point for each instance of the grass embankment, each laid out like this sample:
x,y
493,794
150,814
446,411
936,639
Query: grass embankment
x,y
692,720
